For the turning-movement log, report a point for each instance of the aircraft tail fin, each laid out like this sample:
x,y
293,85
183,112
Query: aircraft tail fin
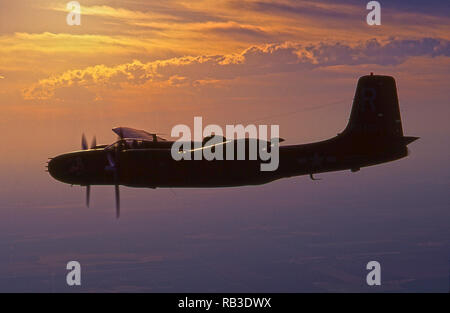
x,y
375,108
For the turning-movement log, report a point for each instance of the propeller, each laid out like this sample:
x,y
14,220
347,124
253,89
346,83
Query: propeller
x,y
84,146
113,166
117,201
88,194
94,143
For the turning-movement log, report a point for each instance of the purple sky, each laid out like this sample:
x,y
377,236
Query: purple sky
x,y
152,66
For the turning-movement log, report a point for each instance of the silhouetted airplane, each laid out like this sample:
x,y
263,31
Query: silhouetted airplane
x,y
373,135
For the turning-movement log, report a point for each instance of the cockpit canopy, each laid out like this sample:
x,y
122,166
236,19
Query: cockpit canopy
x,y
138,134
131,138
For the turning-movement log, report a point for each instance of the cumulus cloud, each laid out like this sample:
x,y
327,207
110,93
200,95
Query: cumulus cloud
x,y
256,60
392,52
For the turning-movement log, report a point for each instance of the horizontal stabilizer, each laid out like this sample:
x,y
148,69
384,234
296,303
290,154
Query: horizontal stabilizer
x,y
408,139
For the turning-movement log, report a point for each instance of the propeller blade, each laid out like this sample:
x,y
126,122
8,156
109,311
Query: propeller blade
x,y
84,145
94,143
88,194
117,201
113,166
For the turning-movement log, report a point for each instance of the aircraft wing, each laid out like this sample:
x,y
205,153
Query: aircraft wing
x,y
225,141
138,134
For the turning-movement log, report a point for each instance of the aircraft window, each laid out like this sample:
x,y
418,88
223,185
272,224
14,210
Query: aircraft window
x,y
112,146
120,145
133,144
128,144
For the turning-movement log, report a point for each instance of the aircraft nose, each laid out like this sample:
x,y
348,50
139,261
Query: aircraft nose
x,y
70,168
56,168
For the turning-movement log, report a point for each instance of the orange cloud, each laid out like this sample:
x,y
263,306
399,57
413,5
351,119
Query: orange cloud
x,y
121,13
256,60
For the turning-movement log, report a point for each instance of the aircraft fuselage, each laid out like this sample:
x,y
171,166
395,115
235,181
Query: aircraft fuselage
x,y
155,167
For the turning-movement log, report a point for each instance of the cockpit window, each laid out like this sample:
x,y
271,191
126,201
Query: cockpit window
x,y
125,144
119,145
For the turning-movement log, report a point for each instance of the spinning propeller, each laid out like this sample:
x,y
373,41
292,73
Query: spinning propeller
x,y
113,166
84,146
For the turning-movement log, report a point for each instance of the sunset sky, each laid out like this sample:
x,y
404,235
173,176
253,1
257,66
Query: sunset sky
x,y
154,64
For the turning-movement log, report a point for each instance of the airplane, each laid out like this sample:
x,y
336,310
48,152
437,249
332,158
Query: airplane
x,y
373,135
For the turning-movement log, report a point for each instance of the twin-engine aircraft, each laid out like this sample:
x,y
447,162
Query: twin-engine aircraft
x,y
373,136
